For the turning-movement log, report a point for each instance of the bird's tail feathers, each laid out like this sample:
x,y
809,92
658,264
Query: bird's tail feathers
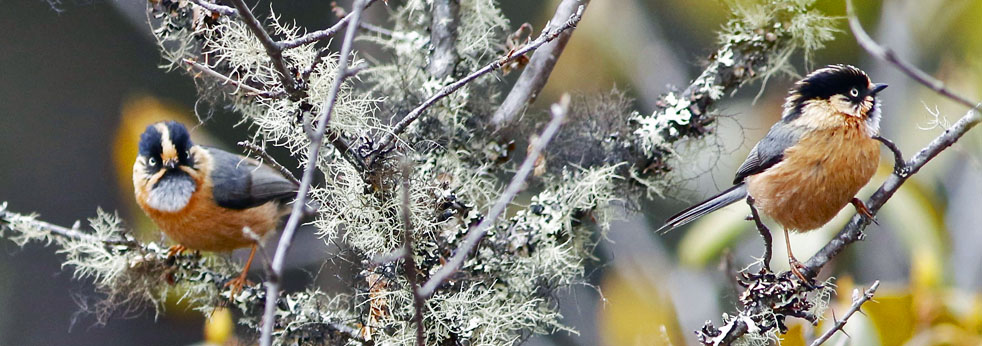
x,y
725,198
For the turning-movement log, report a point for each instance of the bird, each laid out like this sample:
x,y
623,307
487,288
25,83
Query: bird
x,y
204,198
812,162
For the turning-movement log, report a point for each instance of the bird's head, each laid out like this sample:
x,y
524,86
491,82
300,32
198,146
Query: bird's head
x,y
165,166
843,89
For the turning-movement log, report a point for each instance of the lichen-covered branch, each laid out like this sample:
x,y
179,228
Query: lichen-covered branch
x,y
299,205
129,273
547,35
273,49
475,234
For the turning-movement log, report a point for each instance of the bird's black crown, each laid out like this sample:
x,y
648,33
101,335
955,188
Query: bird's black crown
x,y
151,141
830,81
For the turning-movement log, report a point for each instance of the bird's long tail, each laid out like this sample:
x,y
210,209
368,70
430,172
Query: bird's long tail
x,y
725,198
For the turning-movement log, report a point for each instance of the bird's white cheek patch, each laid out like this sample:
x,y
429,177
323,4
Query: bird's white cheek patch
x,y
171,195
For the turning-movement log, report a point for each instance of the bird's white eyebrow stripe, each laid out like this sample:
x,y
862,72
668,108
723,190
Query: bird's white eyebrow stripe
x,y
168,150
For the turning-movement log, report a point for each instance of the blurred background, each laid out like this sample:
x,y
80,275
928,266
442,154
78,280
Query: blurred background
x,y
79,81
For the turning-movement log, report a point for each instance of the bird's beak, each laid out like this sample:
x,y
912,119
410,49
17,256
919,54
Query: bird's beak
x,y
170,164
877,88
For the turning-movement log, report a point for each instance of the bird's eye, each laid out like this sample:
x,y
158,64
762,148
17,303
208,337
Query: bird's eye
x,y
152,161
854,92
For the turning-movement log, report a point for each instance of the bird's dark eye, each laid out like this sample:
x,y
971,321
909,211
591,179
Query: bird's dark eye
x,y
152,161
854,92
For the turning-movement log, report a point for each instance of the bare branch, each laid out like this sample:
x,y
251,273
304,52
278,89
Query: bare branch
x,y
445,18
857,303
286,238
546,36
319,34
888,55
536,74
474,236
273,49
256,150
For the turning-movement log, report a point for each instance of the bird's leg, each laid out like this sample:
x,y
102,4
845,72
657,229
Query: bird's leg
x,y
240,281
793,262
863,210
764,232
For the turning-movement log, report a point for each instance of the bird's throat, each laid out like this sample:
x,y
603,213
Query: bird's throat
x,y
172,192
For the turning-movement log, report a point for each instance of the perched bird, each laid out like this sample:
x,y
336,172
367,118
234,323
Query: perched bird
x,y
204,198
813,161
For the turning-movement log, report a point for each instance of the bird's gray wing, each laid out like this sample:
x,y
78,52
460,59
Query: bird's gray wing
x,y
240,182
770,150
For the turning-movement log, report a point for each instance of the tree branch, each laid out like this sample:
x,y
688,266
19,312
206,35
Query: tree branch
x,y
857,302
445,18
546,36
537,72
474,236
318,35
286,238
228,11
228,80
256,150
273,49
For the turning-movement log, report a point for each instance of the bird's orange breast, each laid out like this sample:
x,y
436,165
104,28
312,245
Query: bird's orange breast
x,y
817,177
202,224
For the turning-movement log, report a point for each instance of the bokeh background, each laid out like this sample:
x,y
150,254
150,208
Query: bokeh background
x,y
79,80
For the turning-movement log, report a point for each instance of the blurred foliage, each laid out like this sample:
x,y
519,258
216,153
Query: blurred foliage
x,y
637,312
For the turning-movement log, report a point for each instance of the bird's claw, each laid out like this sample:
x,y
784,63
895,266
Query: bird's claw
x,y
796,268
236,285
863,210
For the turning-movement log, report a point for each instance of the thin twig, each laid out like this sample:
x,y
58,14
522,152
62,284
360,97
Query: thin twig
x,y
409,262
318,35
886,54
273,49
228,80
546,36
536,74
857,302
899,164
376,29
286,238
475,234
228,11
256,150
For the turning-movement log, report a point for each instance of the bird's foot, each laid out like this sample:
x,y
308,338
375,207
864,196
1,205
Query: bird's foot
x,y
176,250
863,210
236,285
796,268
